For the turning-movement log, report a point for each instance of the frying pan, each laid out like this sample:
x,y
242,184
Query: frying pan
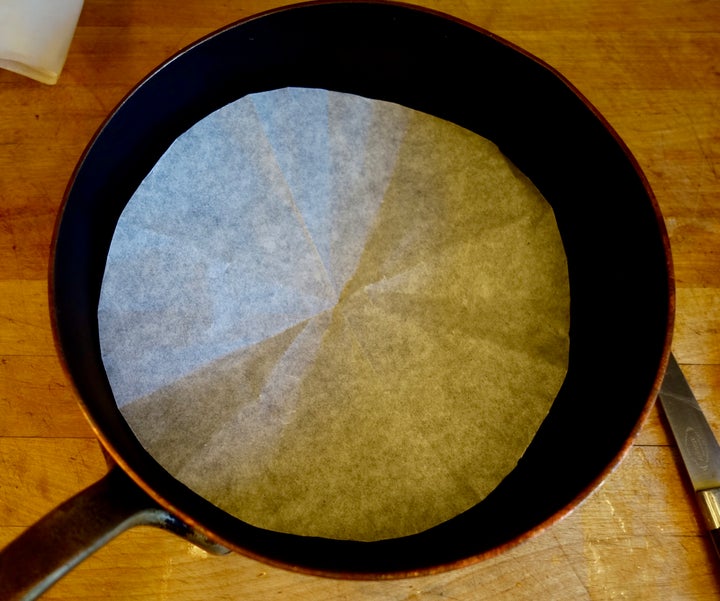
x,y
621,286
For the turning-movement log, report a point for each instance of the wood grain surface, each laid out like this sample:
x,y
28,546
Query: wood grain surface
x,y
652,68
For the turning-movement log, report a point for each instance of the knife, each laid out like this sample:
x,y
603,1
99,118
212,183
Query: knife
x,y
697,444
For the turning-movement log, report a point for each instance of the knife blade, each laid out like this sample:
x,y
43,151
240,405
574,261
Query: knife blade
x,y
697,444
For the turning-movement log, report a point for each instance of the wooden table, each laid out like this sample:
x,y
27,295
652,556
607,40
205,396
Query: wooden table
x,y
652,67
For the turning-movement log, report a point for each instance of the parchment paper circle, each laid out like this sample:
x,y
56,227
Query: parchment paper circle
x,y
335,316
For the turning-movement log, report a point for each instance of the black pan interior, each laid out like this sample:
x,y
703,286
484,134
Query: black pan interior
x,y
621,288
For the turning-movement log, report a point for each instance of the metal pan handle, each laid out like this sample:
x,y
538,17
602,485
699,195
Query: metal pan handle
x,y
74,530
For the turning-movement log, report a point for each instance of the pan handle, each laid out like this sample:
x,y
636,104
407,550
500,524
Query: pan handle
x,y
71,532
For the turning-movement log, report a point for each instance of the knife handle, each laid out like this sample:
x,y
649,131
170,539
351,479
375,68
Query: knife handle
x,y
715,538
709,501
